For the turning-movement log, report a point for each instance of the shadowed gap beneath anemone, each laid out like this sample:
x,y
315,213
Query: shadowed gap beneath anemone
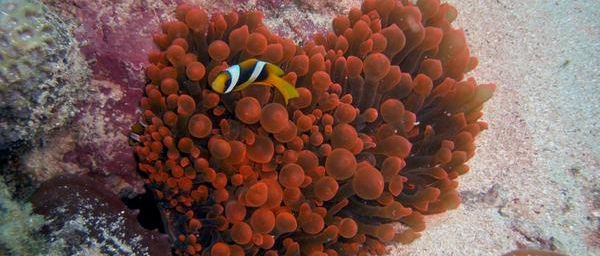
x,y
149,215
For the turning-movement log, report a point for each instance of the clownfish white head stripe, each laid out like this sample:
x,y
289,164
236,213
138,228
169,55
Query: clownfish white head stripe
x,y
253,71
234,75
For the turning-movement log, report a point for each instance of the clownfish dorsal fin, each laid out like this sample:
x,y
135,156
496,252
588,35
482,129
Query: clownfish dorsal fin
x,y
247,64
274,69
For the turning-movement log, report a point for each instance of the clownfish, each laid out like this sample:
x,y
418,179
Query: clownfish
x,y
253,71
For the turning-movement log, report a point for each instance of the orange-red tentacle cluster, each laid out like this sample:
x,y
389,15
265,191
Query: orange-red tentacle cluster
x,y
383,127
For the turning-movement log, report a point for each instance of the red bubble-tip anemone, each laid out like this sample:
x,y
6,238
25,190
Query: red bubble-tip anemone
x,y
383,126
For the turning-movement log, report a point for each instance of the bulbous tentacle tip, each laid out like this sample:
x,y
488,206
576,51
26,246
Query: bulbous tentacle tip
x,y
381,127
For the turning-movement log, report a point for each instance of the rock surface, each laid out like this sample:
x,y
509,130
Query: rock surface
x,y
41,74
87,219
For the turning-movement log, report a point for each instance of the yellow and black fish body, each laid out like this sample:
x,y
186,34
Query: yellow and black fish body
x,y
253,71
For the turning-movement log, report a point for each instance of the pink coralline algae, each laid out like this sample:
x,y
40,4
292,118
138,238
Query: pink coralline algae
x,y
384,125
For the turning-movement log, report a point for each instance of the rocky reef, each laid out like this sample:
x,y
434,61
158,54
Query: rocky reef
x,y
42,74
85,218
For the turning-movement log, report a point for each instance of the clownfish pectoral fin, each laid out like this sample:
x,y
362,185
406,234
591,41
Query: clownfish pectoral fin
x,y
284,87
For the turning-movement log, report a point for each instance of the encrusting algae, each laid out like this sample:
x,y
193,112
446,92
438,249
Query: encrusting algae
x,y
42,75
381,128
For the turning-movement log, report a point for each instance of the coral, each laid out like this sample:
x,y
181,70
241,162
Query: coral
x,y
41,76
19,227
383,127
84,218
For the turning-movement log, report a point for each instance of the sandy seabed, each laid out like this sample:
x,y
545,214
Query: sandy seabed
x,y
534,181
